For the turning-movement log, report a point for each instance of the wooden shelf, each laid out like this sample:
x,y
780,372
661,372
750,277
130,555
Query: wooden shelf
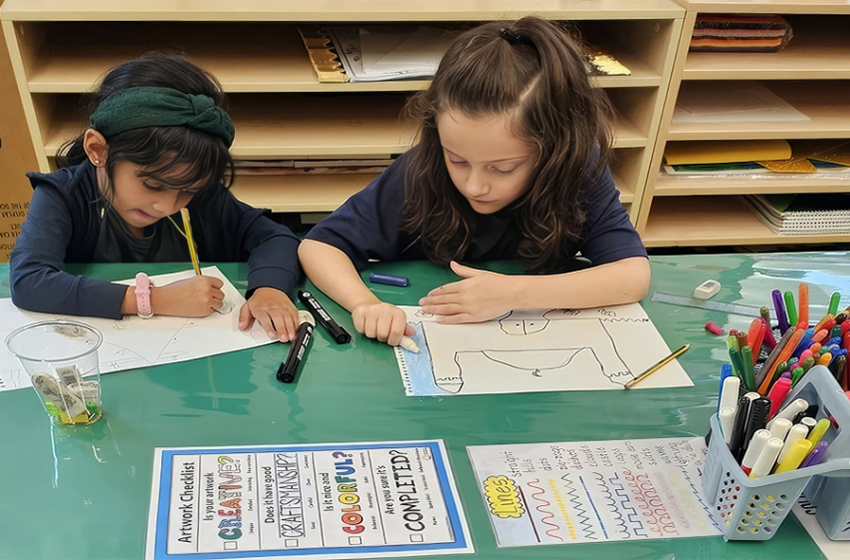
x,y
768,6
826,103
313,193
296,125
819,50
330,10
323,193
715,220
257,57
671,185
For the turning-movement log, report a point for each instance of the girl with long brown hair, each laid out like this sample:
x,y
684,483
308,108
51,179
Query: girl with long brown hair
x,y
511,163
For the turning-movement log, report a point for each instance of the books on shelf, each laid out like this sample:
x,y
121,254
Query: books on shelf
x,y
803,214
740,33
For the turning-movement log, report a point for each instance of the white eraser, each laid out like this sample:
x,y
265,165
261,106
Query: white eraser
x,y
707,289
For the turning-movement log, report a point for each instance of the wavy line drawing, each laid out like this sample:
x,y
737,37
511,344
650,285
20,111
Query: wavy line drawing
x,y
604,489
548,514
578,507
595,511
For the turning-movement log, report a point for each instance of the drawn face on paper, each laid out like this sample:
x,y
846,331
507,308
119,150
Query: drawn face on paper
x,y
521,327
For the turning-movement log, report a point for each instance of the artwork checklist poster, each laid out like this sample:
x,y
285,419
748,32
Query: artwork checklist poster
x,y
318,501
593,491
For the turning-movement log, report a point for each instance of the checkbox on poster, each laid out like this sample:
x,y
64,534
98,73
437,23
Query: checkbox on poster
x,y
290,543
416,538
230,545
354,540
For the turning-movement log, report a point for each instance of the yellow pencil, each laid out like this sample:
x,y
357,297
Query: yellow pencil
x,y
652,369
187,227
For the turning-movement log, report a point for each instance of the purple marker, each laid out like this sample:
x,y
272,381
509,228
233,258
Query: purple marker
x,y
779,307
815,456
388,279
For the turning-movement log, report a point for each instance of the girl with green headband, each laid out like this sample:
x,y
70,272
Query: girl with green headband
x,y
158,141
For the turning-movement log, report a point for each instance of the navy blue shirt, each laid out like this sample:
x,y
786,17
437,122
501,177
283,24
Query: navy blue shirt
x,y
68,221
368,227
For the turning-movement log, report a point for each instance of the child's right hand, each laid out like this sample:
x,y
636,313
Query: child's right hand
x,y
383,321
194,297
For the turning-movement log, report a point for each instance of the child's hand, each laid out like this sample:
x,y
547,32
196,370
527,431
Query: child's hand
x,y
383,321
275,312
480,296
194,297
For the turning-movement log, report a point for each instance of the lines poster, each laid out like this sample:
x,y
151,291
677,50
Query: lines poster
x,y
593,491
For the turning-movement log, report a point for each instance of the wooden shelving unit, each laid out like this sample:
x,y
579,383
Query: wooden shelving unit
x,y
812,74
280,110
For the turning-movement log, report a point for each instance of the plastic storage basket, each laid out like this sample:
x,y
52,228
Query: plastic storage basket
x,y
831,494
753,508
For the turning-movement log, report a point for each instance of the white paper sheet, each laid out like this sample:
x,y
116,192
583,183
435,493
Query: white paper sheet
x,y
536,350
593,491
134,342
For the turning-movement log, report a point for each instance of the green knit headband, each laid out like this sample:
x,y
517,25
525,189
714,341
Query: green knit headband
x,y
139,107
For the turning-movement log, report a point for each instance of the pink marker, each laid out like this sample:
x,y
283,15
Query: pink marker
x,y
713,328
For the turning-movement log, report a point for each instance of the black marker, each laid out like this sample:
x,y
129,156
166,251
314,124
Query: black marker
x,y
288,370
338,333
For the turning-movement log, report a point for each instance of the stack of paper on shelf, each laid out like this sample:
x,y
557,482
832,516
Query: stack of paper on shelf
x,y
719,102
740,33
803,214
398,52
759,157
310,167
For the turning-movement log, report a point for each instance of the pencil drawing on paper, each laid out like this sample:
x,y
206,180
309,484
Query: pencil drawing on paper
x,y
534,350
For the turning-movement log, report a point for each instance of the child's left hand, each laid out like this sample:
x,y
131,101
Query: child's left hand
x,y
275,312
480,296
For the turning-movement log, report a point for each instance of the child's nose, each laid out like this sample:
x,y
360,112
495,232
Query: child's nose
x,y
476,184
168,202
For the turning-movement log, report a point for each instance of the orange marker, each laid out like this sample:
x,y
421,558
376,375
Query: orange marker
x,y
755,336
803,312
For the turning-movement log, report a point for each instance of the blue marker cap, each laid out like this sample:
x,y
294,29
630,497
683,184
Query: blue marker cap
x,y
388,279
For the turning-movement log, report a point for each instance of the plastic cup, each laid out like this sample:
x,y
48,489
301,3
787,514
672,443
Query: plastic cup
x,y
61,360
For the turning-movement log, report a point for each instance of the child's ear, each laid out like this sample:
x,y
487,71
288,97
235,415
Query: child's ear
x,y
95,147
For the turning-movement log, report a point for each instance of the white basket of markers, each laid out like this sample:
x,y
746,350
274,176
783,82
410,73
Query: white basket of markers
x,y
761,457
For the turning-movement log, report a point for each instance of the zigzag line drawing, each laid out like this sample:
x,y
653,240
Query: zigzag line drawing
x,y
633,518
698,496
578,507
547,514
589,499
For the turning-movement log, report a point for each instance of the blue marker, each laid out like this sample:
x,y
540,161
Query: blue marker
x,y
388,279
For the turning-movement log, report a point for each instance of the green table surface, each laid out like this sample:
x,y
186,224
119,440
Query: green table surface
x,y
85,492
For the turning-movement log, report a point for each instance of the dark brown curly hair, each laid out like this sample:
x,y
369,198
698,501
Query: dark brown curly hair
x,y
533,71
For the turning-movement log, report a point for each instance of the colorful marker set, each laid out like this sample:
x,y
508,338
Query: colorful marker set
x,y
801,345
765,439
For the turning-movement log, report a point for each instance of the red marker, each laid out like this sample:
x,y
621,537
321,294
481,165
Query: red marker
x,y
713,328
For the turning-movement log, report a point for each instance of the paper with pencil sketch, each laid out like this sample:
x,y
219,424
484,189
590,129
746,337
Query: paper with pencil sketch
x,y
536,350
134,342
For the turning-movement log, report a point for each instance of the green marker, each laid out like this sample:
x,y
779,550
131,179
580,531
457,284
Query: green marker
x,y
748,375
790,308
833,303
796,375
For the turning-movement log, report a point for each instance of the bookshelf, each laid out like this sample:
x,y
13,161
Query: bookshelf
x,y
279,108
812,74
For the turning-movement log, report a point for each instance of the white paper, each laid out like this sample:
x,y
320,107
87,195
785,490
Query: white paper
x,y
805,512
746,102
317,501
536,350
593,491
133,342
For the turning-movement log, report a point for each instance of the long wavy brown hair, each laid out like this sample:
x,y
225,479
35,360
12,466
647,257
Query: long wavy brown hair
x,y
532,71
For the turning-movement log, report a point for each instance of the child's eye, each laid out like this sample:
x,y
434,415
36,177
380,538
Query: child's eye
x,y
501,171
152,187
457,162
